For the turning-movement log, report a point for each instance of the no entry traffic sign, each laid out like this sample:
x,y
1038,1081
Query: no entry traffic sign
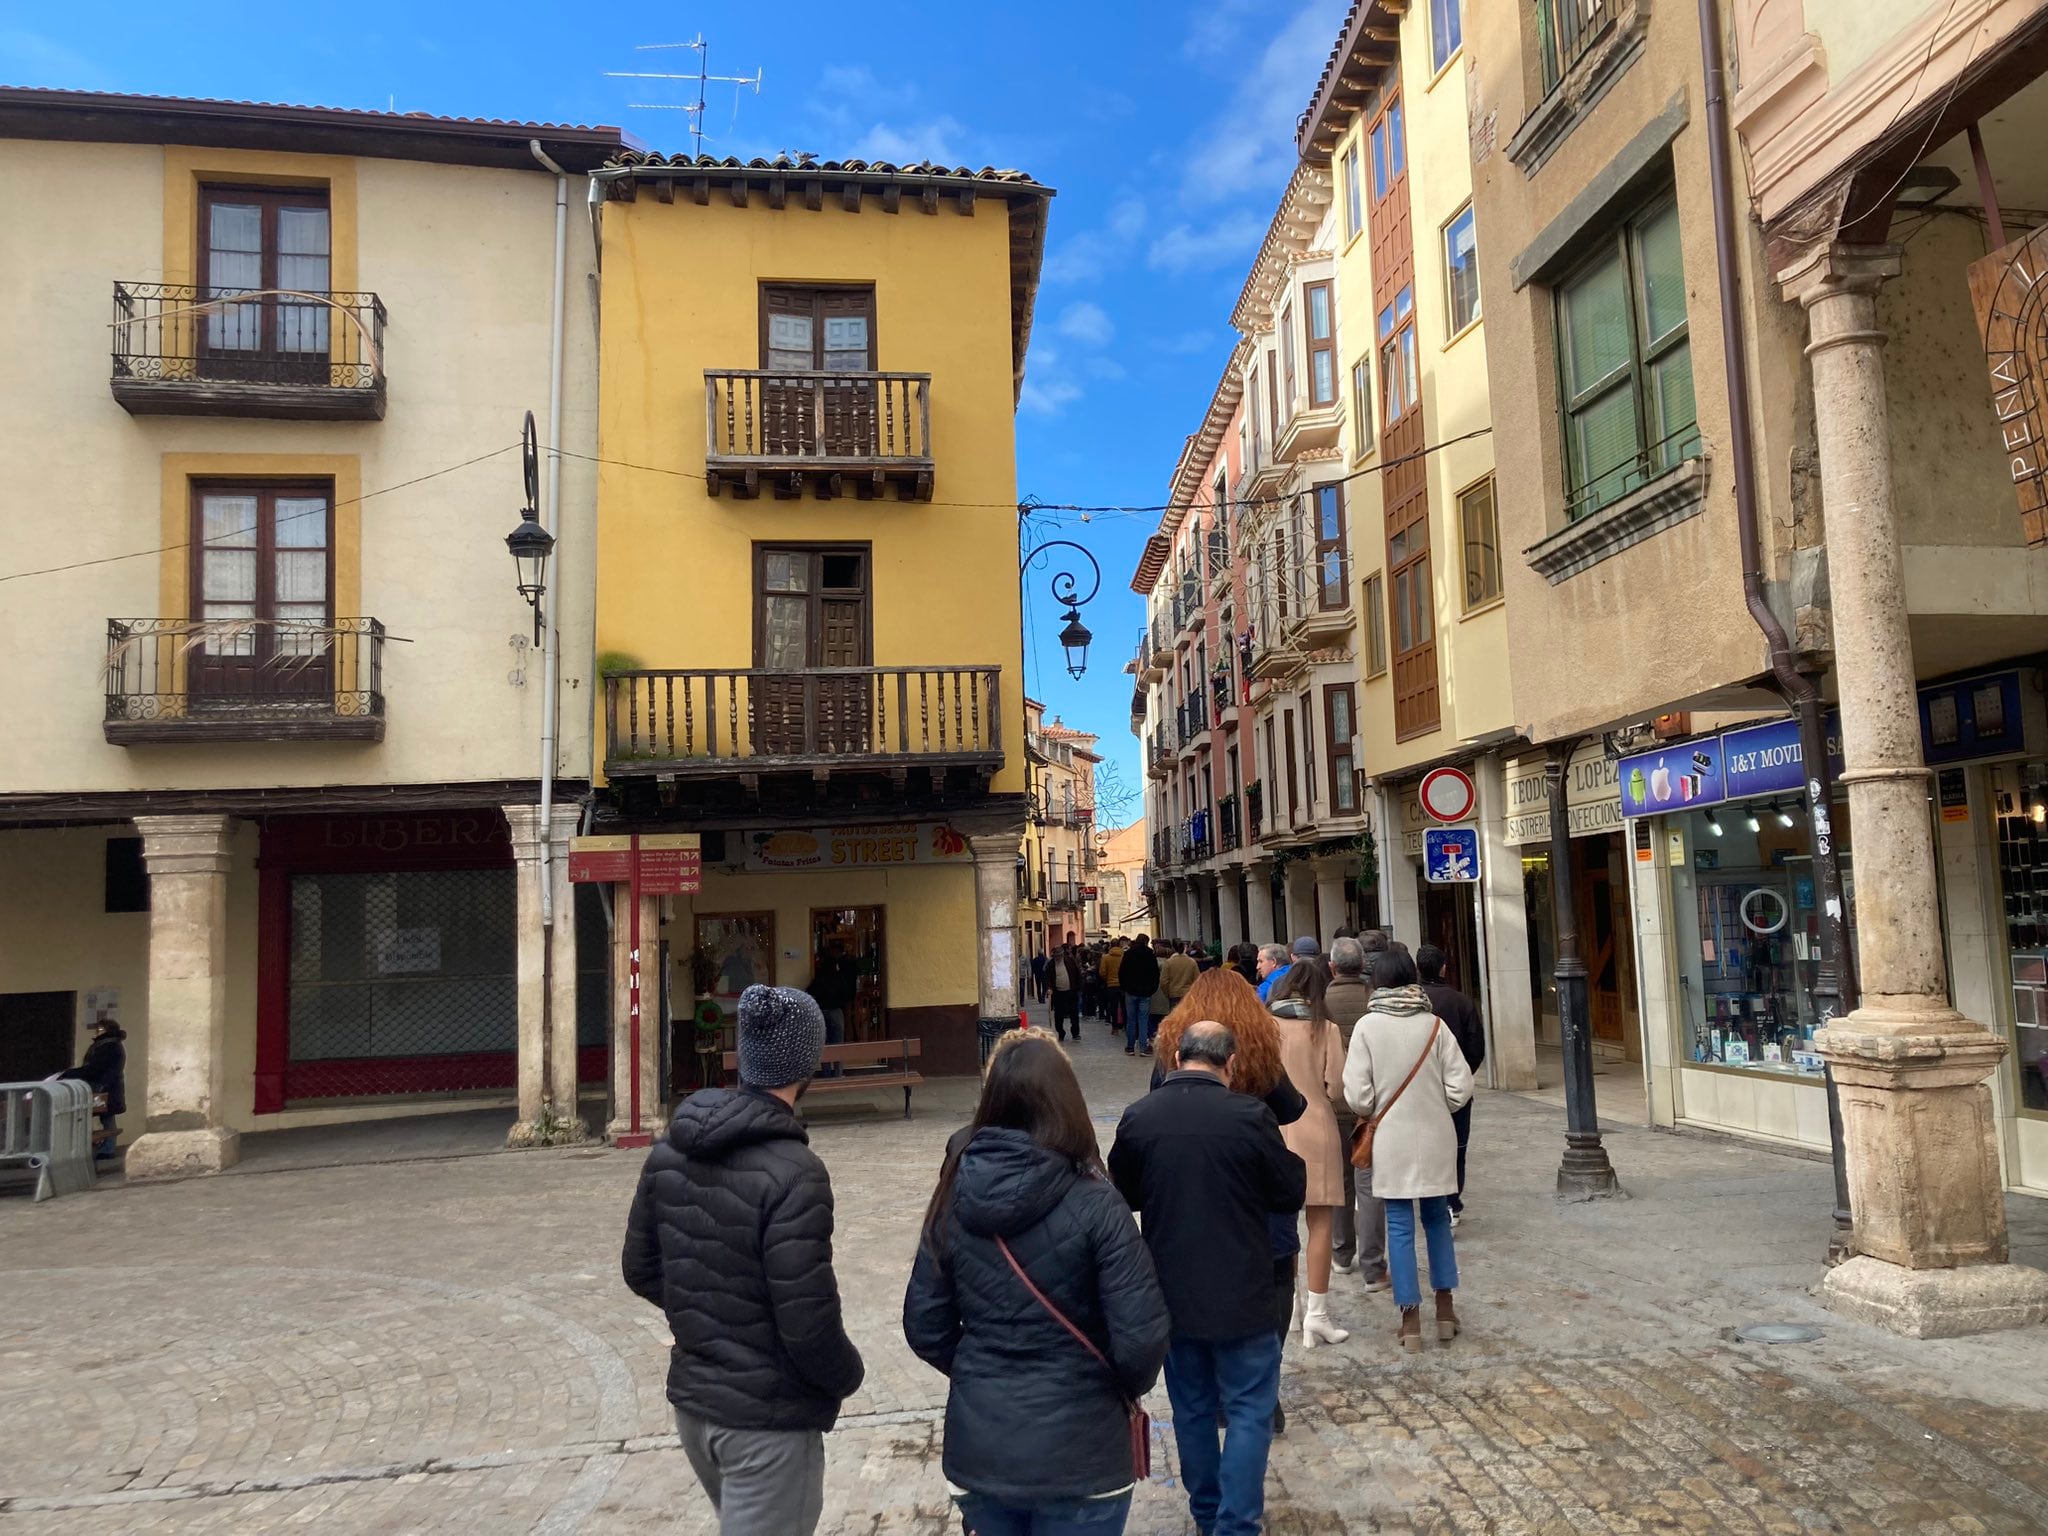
x,y
1447,795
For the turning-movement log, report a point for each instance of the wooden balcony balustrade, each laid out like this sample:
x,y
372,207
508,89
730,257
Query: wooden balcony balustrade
x,y
833,434
749,721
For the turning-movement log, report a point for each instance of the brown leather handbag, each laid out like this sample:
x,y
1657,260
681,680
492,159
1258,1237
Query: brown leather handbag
x,y
1361,1133
1141,1421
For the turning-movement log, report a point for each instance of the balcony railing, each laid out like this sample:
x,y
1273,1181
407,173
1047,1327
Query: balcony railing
x,y
1065,893
1255,809
1193,717
1632,473
833,433
1160,758
1566,30
244,680
181,350
1230,831
715,722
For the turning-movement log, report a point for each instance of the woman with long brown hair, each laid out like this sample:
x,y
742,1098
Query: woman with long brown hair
x,y
1312,1051
1025,1244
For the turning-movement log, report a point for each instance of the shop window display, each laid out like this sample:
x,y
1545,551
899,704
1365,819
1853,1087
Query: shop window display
x,y
2022,801
1749,917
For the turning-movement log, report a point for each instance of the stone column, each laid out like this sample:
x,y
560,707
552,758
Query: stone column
x,y
995,921
1333,877
1301,901
1917,1113
619,1129
188,859
1510,996
548,1113
1230,908
1258,900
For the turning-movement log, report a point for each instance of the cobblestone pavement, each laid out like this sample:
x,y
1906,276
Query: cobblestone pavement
x,y
445,1346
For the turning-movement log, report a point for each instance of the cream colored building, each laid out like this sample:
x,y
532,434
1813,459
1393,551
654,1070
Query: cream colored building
x,y
1861,216
1062,833
270,783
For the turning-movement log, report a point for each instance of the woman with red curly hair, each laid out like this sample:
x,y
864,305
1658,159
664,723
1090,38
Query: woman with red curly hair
x,y
1226,997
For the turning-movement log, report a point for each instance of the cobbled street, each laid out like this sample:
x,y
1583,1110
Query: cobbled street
x,y
446,1346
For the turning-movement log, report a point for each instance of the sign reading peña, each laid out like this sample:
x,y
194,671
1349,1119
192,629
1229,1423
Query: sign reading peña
x,y
2009,289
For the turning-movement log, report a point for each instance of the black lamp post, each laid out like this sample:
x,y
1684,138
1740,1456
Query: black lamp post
x,y
1585,1173
1074,635
530,543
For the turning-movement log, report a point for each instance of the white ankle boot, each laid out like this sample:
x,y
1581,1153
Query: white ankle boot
x,y
1316,1327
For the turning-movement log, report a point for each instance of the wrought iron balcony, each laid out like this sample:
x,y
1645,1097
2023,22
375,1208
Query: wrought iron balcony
x,y
1065,893
1566,31
173,680
1230,831
745,722
181,350
1255,810
831,433
1194,718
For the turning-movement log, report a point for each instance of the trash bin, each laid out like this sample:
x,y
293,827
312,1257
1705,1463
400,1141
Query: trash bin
x,y
992,1030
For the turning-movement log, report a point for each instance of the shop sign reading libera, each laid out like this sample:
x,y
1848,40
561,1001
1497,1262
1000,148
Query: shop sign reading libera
x,y
2009,289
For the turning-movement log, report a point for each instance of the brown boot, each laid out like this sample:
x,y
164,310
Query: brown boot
x,y
1411,1330
1446,1317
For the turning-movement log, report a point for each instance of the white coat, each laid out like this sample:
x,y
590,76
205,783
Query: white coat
x,y
1415,1149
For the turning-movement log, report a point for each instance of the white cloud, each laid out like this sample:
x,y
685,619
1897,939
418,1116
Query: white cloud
x,y
1102,368
1048,388
1230,240
937,140
1216,27
1093,252
1086,323
1250,146
1189,342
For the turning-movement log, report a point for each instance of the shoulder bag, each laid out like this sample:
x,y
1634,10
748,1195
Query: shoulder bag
x,y
1141,1421
1361,1133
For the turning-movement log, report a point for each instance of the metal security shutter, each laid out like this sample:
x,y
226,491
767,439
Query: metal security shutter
x,y
402,983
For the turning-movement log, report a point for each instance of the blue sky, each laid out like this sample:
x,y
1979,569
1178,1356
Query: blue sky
x,y
1166,128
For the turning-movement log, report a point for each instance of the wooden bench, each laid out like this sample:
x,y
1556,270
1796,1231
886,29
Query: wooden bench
x,y
864,1064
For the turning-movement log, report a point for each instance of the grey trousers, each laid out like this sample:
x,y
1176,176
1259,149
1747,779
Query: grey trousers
x,y
1360,1224
762,1482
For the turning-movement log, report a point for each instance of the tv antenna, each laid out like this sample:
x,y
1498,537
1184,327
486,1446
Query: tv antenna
x,y
703,78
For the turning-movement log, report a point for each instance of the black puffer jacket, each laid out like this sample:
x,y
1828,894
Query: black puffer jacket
x,y
731,1236
1032,1416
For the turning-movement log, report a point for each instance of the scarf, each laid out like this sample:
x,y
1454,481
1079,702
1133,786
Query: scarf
x,y
1401,1002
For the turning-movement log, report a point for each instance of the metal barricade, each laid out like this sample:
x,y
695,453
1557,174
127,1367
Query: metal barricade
x,y
47,1128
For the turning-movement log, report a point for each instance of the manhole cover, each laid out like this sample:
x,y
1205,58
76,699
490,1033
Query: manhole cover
x,y
1779,1333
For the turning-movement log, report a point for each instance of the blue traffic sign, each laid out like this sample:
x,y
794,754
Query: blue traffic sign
x,y
1450,855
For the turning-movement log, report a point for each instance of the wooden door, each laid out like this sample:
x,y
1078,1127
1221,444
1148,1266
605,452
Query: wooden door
x,y
811,613
257,240
262,582
807,333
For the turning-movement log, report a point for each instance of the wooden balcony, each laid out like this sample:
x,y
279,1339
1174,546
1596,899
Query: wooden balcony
x,y
737,737
172,680
186,351
829,434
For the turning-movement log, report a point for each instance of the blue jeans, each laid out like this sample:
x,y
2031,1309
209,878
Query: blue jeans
x,y
1443,1256
984,1516
1137,1020
1226,1483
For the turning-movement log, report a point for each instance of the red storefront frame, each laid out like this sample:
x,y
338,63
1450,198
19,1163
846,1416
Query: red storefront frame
x,y
396,842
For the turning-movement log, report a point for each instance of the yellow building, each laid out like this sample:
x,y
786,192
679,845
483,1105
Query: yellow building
x,y
808,611
271,781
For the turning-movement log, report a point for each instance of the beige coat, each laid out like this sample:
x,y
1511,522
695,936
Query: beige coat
x,y
1318,1075
1415,1150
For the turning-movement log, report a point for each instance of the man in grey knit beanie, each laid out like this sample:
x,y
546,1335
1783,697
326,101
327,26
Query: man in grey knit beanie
x,y
782,1037
731,1236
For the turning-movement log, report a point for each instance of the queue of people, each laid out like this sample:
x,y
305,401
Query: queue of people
x,y
1291,1092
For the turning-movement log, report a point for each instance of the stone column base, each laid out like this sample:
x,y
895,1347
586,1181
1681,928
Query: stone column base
x,y
1937,1303
182,1154
562,1131
619,1132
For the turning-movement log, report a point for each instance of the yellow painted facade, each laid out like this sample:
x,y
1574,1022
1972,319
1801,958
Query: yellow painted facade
x,y
675,564
678,574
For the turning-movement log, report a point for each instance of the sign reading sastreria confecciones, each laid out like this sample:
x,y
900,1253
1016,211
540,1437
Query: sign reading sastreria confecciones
x,y
2010,291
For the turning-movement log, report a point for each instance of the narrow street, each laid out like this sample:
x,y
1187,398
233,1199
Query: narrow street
x,y
446,1346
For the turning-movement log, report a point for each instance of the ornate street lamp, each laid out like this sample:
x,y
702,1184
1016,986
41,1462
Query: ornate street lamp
x,y
530,543
1074,635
